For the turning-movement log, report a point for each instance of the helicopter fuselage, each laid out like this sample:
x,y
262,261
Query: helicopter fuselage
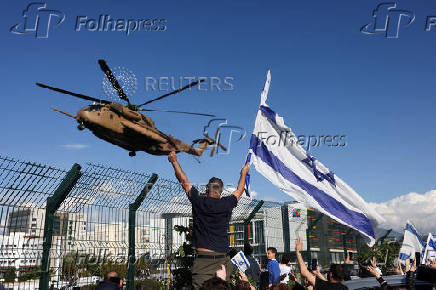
x,y
121,126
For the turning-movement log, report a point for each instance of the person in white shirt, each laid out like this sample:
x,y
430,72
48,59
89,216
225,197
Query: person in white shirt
x,y
285,269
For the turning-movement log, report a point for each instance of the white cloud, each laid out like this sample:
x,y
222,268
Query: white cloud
x,y
232,189
74,146
420,209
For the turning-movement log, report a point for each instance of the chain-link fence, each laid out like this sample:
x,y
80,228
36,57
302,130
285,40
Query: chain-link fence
x,y
66,229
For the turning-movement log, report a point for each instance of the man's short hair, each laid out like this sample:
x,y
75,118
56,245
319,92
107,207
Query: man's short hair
x,y
215,283
243,285
286,259
272,249
111,274
215,185
248,249
280,286
337,272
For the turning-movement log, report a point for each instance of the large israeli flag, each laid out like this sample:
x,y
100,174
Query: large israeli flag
x,y
276,154
412,243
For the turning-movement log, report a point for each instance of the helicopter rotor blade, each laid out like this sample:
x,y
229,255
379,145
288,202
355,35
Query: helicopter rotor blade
x,y
173,92
110,76
88,98
178,112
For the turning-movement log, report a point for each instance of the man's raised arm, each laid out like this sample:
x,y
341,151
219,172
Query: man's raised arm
x,y
303,269
181,176
241,183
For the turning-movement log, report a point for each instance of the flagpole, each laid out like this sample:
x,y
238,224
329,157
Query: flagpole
x,y
426,249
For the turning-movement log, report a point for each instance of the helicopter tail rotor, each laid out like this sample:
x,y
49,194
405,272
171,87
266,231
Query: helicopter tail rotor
x,y
216,142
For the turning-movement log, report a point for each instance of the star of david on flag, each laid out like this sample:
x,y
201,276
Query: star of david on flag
x,y
289,167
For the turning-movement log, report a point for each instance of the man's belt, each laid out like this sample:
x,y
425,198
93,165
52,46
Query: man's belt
x,y
201,256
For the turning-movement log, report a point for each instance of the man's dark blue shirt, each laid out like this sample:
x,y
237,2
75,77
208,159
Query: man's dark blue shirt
x,y
211,218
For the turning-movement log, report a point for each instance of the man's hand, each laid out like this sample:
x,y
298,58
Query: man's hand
x,y
303,268
181,176
245,169
221,273
399,269
374,262
373,271
242,276
347,259
172,157
299,245
241,183
407,265
413,268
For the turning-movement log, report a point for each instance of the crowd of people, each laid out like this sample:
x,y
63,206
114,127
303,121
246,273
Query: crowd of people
x,y
281,276
212,267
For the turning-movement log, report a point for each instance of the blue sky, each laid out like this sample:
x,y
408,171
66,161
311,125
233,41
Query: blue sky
x,y
327,78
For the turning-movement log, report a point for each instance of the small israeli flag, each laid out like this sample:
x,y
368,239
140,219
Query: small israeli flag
x,y
412,243
241,261
430,249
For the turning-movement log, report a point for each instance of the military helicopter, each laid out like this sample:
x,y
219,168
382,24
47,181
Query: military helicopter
x,y
124,126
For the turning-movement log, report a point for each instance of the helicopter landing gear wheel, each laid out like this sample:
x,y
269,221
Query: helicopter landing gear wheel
x,y
132,153
81,126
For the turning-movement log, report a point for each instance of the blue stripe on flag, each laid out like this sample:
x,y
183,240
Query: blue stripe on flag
x,y
270,114
432,243
331,205
403,256
413,231
245,261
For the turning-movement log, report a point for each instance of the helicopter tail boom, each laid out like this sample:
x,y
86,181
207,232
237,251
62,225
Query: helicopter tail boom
x,y
63,112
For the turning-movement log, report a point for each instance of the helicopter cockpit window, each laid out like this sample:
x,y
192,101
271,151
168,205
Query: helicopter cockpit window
x,y
94,108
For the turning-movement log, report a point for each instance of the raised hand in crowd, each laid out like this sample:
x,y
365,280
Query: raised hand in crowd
x,y
410,267
347,259
244,278
373,270
399,269
413,268
318,274
221,273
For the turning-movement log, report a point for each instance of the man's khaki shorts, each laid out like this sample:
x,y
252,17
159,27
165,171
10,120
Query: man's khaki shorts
x,y
206,264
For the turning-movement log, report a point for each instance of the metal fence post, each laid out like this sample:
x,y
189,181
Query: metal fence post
x,y
248,220
133,207
52,206
285,224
